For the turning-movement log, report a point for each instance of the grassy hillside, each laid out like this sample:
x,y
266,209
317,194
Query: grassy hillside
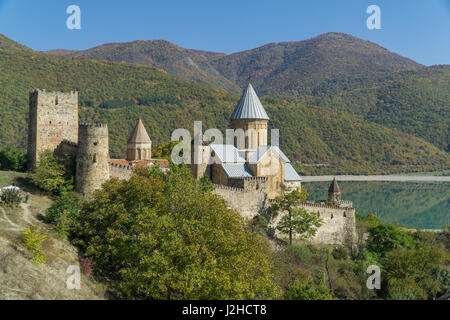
x,y
308,134
22,279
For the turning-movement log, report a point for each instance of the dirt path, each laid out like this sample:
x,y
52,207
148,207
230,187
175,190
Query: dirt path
x,y
12,225
396,178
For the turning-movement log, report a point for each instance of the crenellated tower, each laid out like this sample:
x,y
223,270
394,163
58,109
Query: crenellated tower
x,y
92,158
53,119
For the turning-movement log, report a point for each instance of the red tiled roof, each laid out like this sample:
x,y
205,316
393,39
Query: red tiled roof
x,y
163,163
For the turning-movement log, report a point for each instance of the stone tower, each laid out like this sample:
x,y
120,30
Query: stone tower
x,y
250,116
92,158
139,145
334,192
53,118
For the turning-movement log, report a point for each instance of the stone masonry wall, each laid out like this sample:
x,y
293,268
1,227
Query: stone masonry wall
x,y
92,158
120,172
249,203
339,226
53,118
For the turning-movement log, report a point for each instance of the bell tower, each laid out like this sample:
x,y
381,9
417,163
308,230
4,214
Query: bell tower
x,y
334,192
139,145
250,116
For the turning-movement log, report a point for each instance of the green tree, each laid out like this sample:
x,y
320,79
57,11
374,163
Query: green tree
x,y
414,273
295,220
13,159
386,237
160,236
54,174
63,212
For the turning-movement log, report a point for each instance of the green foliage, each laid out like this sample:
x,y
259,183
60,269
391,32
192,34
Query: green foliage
x,y
33,241
306,290
164,150
385,237
64,212
300,223
160,236
54,174
11,197
113,104
341,253
13,159
412,273
295,221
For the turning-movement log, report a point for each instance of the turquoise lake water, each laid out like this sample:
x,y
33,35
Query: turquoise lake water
x,y
409,204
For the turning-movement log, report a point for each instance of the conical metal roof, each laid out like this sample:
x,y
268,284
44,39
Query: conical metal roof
x,y
139,134
249,107
334,188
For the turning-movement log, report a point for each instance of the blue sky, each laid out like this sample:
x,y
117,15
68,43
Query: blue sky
x,y
417,29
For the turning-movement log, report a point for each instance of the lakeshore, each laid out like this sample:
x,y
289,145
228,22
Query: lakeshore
x,y
392,178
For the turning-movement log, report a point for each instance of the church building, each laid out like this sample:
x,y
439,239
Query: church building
x,y
250,157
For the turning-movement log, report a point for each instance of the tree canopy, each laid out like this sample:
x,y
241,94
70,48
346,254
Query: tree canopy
x,y
161,236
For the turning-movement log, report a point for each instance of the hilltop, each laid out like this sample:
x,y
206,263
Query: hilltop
x,y
334,70
188,64
118,93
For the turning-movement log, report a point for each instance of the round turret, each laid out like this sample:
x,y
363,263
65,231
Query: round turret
x,y
92,158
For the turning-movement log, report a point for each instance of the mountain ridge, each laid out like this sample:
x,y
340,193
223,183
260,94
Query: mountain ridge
x,y
334,70
119,93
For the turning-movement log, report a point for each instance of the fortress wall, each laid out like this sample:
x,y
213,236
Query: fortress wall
x,y
120,172
53,119
338,226
248,203
67,148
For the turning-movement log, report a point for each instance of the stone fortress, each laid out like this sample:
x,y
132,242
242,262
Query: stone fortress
x,y
53,125
248,175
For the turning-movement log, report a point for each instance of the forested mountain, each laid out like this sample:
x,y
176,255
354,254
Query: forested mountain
x,y
191,65
119,93
333,70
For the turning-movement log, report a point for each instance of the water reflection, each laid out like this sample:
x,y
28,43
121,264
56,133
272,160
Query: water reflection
x,y
413,205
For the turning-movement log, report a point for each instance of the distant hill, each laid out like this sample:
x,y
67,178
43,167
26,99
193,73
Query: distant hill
x,y
334,70
118,93
191,65
301,65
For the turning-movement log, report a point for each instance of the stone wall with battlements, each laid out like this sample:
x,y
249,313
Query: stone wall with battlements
x,y
338,224
53,118
249,203
120,171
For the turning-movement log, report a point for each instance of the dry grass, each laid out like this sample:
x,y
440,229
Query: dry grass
x,y
20,278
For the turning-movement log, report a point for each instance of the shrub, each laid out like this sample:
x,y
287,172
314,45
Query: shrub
x,y
54,174
86,266
11,197
307,290
13,159
64,212
341,253
33,241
